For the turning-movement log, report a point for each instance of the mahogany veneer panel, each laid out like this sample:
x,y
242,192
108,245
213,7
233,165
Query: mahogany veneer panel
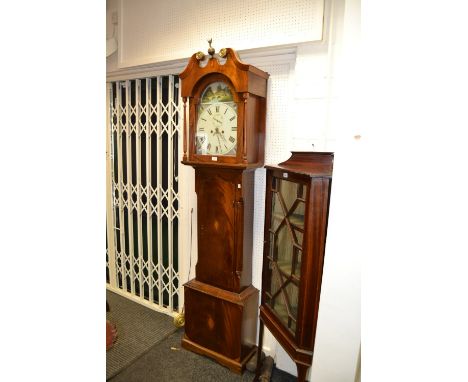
x,y
221,324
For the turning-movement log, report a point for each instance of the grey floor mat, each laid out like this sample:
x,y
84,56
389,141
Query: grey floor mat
x,y
139,328
168,362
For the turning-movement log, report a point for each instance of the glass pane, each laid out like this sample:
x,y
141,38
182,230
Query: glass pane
x,y
297,216
300,191
293,294
288,191
280,308
277,214
284,249
286,236
297,263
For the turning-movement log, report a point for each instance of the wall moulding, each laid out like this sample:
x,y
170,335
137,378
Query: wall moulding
x,y
257,57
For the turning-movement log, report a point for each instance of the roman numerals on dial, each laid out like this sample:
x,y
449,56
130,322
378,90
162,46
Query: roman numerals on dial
x,y
217,121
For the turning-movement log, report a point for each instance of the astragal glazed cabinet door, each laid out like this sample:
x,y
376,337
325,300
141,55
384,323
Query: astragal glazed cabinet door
x,y
286,233
296,214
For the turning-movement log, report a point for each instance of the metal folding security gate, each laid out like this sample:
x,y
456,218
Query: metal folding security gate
x,y
144,127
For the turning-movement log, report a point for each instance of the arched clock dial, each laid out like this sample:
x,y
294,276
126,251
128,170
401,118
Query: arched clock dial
x,y
216,132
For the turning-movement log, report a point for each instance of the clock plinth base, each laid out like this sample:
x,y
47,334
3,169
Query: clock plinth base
x,y
221,324
234,365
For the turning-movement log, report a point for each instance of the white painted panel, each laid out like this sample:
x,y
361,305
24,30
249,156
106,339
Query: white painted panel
x,y
155,31
337,344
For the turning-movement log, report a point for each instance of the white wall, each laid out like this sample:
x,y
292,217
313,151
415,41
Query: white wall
x,y
337,347
326,96
243,24
112,6
304,113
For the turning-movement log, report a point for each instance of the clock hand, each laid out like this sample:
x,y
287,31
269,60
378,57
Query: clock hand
x,y
222,136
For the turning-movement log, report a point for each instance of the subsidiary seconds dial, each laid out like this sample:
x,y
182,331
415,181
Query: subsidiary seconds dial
x,y
217,130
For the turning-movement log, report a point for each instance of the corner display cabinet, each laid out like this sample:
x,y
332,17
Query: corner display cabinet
x,y
296,215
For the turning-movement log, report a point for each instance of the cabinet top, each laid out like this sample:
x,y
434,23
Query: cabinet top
x,y
311,163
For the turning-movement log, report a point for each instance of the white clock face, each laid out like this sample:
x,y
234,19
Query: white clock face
x,y
216,129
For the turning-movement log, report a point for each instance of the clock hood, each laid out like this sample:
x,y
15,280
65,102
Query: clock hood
x,y
243,76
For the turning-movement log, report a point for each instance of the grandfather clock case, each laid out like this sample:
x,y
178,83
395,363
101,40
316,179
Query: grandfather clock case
x,y
296,216
224,143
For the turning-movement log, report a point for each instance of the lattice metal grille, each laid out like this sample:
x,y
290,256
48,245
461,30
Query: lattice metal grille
x,y
145,129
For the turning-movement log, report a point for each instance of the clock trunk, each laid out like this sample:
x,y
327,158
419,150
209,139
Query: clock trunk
x,y
225,223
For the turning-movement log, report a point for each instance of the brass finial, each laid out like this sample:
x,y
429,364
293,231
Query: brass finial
x,y
211,50
223,52
200,56
179,320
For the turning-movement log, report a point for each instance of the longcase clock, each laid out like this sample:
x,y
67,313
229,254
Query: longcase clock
x,y
224,142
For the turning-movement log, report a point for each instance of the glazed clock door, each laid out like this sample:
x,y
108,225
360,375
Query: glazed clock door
x,y
216,132
286,231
